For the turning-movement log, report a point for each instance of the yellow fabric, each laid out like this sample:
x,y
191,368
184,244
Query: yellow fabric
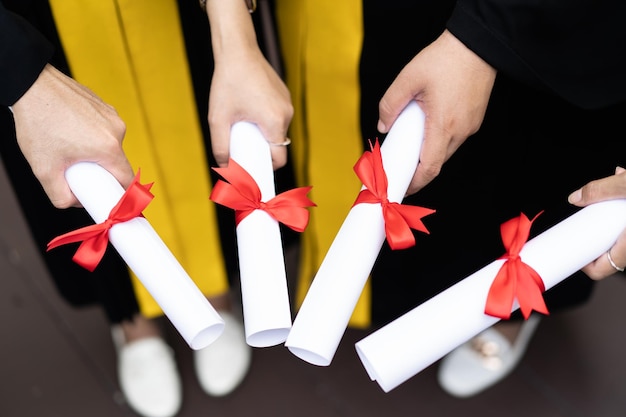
x,y
131,53
321,42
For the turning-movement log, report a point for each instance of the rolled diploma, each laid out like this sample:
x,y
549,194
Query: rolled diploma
x,y
412,342
325,312
148,257
264,294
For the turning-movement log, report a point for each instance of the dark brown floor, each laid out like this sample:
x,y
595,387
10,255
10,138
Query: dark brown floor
x,y
57,361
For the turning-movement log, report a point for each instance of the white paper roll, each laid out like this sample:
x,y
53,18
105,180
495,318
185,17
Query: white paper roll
x,y
324,315
409,344
149,258
264,293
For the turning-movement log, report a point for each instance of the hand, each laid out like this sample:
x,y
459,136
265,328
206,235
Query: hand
x,y
247,88
600,190
244,86
58,123
452,85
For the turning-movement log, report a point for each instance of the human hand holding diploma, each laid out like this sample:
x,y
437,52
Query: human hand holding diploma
x,y
248,188
414,341
118,218
324,315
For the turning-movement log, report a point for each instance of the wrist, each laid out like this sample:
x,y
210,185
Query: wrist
x,y
231,26
250,4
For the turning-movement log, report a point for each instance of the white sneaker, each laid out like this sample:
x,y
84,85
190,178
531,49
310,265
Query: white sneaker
x,y
222,366
148,375
484,360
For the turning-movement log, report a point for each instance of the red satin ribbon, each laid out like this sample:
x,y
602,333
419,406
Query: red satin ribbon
x,y
95,238
515,279
399,219
241,193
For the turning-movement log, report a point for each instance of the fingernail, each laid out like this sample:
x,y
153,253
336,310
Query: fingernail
x,y
381,127
575,197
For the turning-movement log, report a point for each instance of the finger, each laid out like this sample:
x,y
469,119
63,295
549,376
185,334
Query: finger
x,y
603,267
395,99
279,153
220,142
596,191
607,265
432,157
276,136
122,171
59,193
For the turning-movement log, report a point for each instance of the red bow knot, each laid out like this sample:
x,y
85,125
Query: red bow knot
x,y
515,279
95,238
399,219
241,193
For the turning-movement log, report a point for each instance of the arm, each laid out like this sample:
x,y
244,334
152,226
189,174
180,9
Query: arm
x,y
244,86
600,190
536,42
23,54
57,121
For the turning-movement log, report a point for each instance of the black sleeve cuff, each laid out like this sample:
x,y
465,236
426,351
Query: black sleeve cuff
x,y
23,54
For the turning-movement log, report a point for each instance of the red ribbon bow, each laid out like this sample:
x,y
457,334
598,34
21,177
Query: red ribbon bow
x,y
96,237
515,279
241,193
399,219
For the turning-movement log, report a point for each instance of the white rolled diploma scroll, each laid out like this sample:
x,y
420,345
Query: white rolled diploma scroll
x,y
148,257
264,293
403,348
325,312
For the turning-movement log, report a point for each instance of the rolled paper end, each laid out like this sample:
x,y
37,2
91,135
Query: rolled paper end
x,y
206,336
366,363
264,293
148,257
309,356
268,337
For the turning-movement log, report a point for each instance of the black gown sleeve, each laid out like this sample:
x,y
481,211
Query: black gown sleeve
x,y
23,54
574,48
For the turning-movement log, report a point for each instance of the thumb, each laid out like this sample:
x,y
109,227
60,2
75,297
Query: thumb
x,y
395,99
220,142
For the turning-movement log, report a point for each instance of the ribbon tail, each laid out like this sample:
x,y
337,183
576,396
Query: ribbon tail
x,y
413,216
84,233
90,252
501,293
530,292
397,231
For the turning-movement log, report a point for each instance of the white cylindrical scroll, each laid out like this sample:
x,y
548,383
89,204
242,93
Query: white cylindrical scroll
x,y
149,258
324,315
264,293
409,344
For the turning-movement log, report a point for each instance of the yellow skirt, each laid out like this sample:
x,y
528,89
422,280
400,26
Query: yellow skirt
x,y
132,54
321,42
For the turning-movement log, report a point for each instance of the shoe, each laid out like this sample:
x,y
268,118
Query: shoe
x,y
148,375
484,360
222,366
